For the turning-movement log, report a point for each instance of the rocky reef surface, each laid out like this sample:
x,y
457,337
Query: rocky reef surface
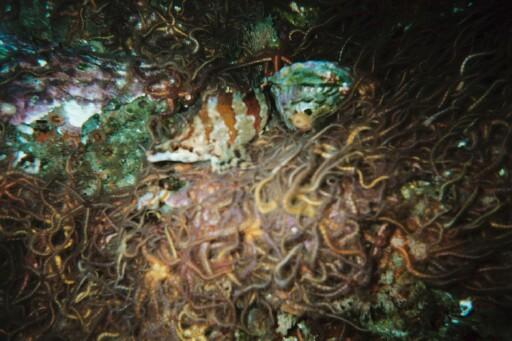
x,y
374,203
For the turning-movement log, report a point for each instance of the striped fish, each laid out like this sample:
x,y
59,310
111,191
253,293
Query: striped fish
x,y
219,132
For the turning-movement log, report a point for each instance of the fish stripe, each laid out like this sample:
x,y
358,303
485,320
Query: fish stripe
x,y
206,120
225,110
253,109
187,134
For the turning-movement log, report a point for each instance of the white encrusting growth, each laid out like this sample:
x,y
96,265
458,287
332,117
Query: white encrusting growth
x,y
22,161
77,113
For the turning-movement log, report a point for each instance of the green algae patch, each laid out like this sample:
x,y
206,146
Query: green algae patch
x,y
108,155
115,144
260,36
37,149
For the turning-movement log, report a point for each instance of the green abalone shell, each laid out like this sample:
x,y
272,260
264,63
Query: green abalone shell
x,y
303,92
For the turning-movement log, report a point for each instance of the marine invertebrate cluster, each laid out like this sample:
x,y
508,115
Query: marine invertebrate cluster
x,y
36,83
114,144
49,225
105,156
374,226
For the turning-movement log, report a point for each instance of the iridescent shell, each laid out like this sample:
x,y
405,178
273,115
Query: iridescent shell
x,y
74,85
223,125
304,92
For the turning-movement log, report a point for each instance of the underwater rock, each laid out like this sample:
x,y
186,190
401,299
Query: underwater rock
x,y
108,153
114,145
37,148
304,92
37,81
221,128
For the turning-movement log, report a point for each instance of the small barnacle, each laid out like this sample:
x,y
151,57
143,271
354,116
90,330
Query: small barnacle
x,y
41,126
43,136
55,118
107,152
98,136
